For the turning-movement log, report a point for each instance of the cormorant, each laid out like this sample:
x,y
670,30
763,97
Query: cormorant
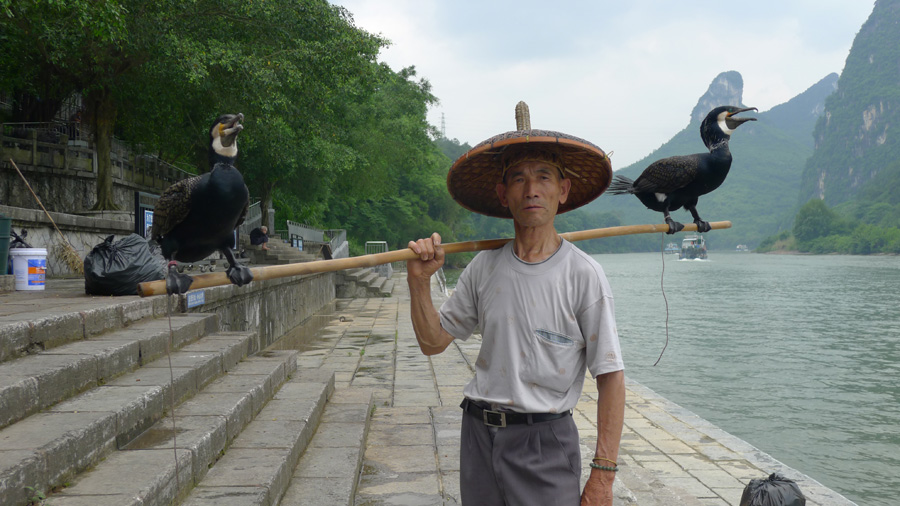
x,y
678,181
197,216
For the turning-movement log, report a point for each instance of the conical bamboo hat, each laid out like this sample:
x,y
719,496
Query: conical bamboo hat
x,y
474,176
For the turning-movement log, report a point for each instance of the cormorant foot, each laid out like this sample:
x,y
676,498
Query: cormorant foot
x,y
239,274
177,282
702,226
674,226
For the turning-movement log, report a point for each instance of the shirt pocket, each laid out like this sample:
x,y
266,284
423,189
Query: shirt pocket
x,y
554,361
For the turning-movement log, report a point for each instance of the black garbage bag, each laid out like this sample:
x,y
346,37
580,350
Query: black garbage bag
x,y
116,268
776,490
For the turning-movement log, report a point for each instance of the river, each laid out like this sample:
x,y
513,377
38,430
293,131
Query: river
x,y
797,355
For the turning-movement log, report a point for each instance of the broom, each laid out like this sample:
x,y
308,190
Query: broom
x,y
64,249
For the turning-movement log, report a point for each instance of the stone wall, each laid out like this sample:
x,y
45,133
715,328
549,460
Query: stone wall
x,y
272,307
65,177
83,232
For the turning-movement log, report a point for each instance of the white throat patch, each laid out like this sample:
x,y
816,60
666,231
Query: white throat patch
x,y
230,151
724,126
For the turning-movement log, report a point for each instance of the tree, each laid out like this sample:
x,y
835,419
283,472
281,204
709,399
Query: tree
x,y
169,68
814,220
80,45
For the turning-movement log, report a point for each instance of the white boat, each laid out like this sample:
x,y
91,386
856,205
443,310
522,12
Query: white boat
x,y
693,247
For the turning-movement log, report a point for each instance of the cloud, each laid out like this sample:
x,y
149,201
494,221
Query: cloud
x,y
624,76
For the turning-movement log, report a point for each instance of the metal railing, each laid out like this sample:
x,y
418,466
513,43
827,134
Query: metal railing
x,y
66,146
338,240
253,218
373,247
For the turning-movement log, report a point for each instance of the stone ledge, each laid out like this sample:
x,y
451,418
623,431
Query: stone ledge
x,y
66,221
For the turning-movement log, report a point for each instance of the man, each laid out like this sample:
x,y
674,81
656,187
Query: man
x,y
260,235
546,314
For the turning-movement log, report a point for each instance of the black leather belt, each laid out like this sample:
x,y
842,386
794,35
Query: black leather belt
x,y
504,418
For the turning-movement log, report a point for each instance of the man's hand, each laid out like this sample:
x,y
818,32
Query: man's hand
x,y
426,322
598,490
431,258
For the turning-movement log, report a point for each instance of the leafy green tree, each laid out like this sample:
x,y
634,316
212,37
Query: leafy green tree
x,y
79,45
168,68
814,220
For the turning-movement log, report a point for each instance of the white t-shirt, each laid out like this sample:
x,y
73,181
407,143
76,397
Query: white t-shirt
x,y
542,325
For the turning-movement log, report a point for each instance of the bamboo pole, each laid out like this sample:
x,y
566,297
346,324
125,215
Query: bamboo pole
x,y
151,288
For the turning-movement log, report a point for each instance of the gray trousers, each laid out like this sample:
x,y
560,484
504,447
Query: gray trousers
x,y
520,465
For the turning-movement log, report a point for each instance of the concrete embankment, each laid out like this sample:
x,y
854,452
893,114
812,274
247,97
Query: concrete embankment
x,y
669,456
342,410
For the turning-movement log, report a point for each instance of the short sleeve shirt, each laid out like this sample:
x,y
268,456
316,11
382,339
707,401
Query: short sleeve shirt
x,y
543,324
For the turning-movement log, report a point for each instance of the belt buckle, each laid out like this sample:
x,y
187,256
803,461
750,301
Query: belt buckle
x,y
494,418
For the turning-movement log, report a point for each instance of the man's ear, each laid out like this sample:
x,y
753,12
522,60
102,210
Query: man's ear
x,y
501,194
565,186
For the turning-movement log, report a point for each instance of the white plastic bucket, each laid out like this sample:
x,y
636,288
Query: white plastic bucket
x,y
29,267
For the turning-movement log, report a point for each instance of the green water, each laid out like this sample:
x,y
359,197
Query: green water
x,y
797,355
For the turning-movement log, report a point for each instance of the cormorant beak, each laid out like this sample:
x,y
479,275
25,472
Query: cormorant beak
x,y
733,122
229,130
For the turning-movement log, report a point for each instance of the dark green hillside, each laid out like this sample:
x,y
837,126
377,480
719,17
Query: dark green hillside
x,y
850,190
857,141
759,196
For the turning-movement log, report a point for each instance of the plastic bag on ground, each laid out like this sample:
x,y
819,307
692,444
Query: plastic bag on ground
x,y
116,268
776,490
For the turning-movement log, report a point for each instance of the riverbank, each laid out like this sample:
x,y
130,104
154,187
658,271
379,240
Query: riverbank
x,y
668,456
381,427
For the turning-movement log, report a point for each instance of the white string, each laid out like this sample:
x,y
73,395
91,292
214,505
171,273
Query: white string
x,y
662,255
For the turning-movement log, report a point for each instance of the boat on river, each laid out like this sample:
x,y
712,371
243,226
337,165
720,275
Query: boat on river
x,y
671,248
693,247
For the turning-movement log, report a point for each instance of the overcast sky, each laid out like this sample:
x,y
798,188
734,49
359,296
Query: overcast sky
x,y
623,75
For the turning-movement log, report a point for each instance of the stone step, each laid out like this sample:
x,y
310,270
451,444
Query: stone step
x,y
207,427
60,322
375,286
257,467
46,450
328,472
369,278
388,288
356,274
32,383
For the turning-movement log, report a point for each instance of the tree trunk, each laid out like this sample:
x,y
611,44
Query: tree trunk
x,y
102,114
268,189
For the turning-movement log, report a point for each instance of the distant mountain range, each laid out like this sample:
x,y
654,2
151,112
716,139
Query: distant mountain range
x,y
760,194
857,155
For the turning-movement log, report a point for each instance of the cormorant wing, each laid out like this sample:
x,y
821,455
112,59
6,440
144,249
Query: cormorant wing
x,y
173,206
668,174
245,211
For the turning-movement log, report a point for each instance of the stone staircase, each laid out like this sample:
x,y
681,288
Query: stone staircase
x,y
362,283
88,421
279,252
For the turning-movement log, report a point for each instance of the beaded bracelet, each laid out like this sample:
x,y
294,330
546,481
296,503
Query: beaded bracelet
x,y
604,468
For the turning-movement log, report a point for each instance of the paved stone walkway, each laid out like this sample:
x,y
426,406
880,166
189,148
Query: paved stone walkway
x,y
669,456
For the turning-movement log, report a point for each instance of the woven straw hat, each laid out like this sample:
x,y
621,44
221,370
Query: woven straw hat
x,y
474,176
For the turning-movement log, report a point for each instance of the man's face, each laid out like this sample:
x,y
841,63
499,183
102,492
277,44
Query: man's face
x,y
533,192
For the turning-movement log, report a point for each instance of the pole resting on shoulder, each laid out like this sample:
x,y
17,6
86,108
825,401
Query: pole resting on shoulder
x,y
151,288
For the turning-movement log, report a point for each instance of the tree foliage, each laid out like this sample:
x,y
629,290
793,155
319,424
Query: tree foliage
x,y
851,229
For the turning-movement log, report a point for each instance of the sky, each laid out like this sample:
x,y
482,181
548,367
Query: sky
x,y
623,75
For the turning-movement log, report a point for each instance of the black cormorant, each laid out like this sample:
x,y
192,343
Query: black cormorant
x,y
196,217
678,181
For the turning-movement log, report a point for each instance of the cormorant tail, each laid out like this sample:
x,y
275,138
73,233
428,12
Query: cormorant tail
x,y
621,185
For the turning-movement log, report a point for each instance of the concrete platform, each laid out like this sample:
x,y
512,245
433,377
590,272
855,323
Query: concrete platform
x,y
669,456
365,419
